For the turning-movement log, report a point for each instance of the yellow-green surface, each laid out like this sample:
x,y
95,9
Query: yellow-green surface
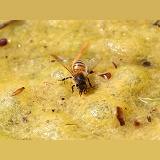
x,y
26,62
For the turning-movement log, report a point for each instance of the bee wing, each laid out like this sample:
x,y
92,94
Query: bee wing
x,y
65,64
92,64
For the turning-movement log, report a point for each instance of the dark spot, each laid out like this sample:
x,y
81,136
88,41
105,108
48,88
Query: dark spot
x,y
157,23
53,110
106,75
154,109
6,56
45,46
10,121
24,119
47,121
114,65
120,116
146,64
90,72
29,112
43,110
62,98
137,123
3,42
52,61
149,118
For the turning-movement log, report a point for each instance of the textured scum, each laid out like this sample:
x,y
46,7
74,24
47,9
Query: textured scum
x,y
47,109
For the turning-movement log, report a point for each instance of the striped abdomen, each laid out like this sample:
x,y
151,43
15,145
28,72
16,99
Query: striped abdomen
x,y
79,66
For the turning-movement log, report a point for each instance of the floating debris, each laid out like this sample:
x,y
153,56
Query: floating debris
x,y
120,116
52,60
24,119
29,112
149,118
146,64
114,65
137,123
106,75
147,100
3,42
18,91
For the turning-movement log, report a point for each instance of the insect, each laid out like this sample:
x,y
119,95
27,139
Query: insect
x,y
79,70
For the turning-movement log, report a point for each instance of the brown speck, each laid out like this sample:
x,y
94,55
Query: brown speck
x,y
90,72
53,110
154,109
114,65
157,23
146,64
52,61
3,42
29,112
47,121
106,75
6,56
149,118
120,116
137,123
24,119
62,98
18,91
43,110
45,46
10,120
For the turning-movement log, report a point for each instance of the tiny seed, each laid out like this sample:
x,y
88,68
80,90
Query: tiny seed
x,y
3,42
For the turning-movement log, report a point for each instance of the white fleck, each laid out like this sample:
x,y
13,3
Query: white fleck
x,y
32,62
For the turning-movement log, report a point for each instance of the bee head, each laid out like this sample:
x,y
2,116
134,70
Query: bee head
x,y
82,87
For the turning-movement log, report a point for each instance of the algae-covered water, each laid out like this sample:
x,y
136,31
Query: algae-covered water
x,y
47,109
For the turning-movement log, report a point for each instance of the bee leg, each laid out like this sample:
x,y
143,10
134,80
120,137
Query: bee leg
x,y
65,79
90,83
73,88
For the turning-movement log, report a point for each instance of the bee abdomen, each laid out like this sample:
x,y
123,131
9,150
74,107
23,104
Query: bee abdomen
x,y
79,66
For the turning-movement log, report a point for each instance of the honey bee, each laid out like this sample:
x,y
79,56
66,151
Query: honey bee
x,y
79,70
